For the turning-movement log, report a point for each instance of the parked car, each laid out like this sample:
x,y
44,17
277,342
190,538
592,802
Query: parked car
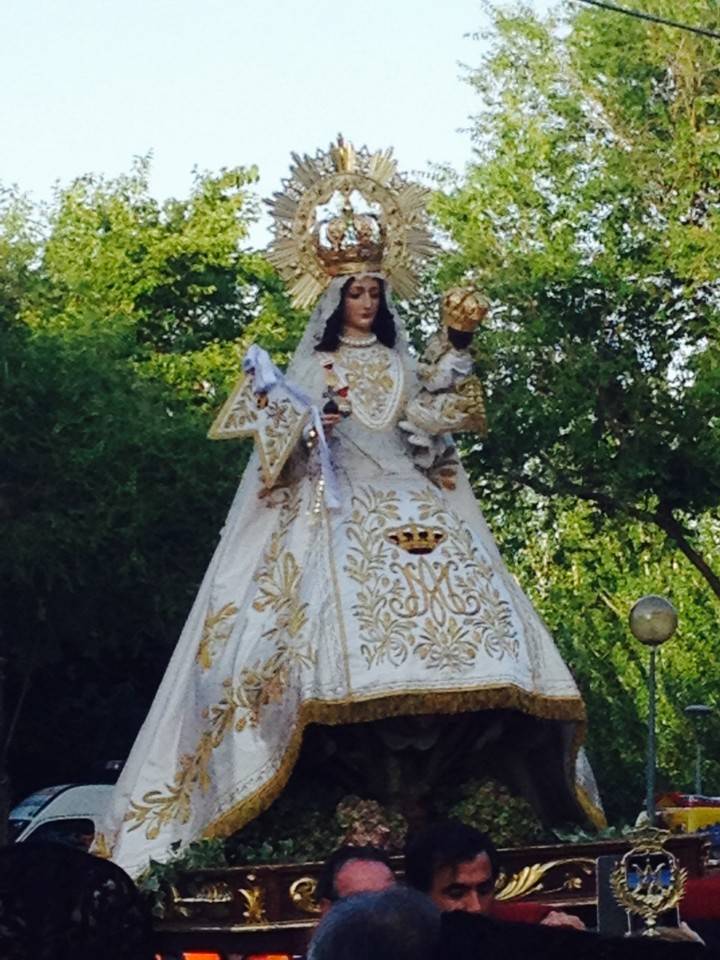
x,y
64,814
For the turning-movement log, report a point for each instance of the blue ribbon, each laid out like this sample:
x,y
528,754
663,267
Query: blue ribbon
x,y
265,376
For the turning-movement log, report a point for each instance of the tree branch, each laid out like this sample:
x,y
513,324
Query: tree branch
x,y
663,518
668,522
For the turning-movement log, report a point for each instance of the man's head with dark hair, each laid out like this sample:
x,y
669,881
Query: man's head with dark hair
x,y
350,870
396,924
455,864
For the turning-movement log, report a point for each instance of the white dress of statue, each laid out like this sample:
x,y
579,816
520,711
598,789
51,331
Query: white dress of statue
x,y
350,584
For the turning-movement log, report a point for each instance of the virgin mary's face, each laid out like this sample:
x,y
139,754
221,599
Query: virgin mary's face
x,y
360,306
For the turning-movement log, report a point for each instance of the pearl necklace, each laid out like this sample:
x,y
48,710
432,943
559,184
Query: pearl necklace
x,y
358,341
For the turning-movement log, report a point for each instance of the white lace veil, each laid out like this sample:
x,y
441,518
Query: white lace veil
x,y
304,369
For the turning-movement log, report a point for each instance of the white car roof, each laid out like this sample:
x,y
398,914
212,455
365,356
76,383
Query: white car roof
x,y
86,800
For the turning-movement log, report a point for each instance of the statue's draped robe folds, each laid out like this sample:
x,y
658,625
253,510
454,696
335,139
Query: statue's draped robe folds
x,y
397,603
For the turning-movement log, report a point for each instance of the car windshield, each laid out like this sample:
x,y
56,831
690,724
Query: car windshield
x,y
33,804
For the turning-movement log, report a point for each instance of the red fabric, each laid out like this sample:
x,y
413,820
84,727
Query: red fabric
x,y
519,911
702,898
701,902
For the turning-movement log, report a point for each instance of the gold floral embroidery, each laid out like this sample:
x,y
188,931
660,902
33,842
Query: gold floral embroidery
x,y
242,703
274,420
376,378
367,563
445,611
452,646
159,807
216,630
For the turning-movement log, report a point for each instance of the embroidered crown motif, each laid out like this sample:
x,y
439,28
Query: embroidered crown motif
x,y
416,538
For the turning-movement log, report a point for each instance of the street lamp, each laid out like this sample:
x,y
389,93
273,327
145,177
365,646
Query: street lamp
x,y
653,620
696,713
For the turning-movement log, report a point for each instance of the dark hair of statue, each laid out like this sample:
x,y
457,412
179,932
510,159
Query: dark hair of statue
x,y
383,325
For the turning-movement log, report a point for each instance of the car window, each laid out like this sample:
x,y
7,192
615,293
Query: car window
x,y
33,804
77,832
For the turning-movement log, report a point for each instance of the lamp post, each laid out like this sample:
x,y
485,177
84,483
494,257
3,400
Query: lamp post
x,y
653,620
696,713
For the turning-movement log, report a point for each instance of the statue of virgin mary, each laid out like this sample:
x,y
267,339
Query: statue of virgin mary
x,y
353,588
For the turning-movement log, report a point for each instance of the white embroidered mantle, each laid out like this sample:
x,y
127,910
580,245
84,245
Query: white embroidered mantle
x,y
398,603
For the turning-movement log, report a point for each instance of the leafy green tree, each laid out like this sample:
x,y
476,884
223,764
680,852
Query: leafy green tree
x,y
122,323
590,216
583,573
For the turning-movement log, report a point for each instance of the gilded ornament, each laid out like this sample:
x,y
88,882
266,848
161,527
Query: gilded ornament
x,y
464,308
302,894
258,686
216,631
648,881
389,233
254,898
445,612
530,879
376,380
212,892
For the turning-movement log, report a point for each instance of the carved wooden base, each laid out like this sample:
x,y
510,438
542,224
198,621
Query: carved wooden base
x,y
262,909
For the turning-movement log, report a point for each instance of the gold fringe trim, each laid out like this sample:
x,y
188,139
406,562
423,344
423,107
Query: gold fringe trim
x,y
333,713
594,813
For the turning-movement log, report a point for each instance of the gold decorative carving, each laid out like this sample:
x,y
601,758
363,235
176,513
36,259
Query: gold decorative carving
x,y
302,894
464,308
648,880
530,879
211,892
254,897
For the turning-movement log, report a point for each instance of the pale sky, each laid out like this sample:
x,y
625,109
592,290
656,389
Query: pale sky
x,y
87,84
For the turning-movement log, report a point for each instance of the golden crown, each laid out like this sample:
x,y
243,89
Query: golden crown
x,y
464,308
350,243
416,538
381,225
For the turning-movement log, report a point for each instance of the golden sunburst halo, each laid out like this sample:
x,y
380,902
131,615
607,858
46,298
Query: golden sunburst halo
x,y
402,239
